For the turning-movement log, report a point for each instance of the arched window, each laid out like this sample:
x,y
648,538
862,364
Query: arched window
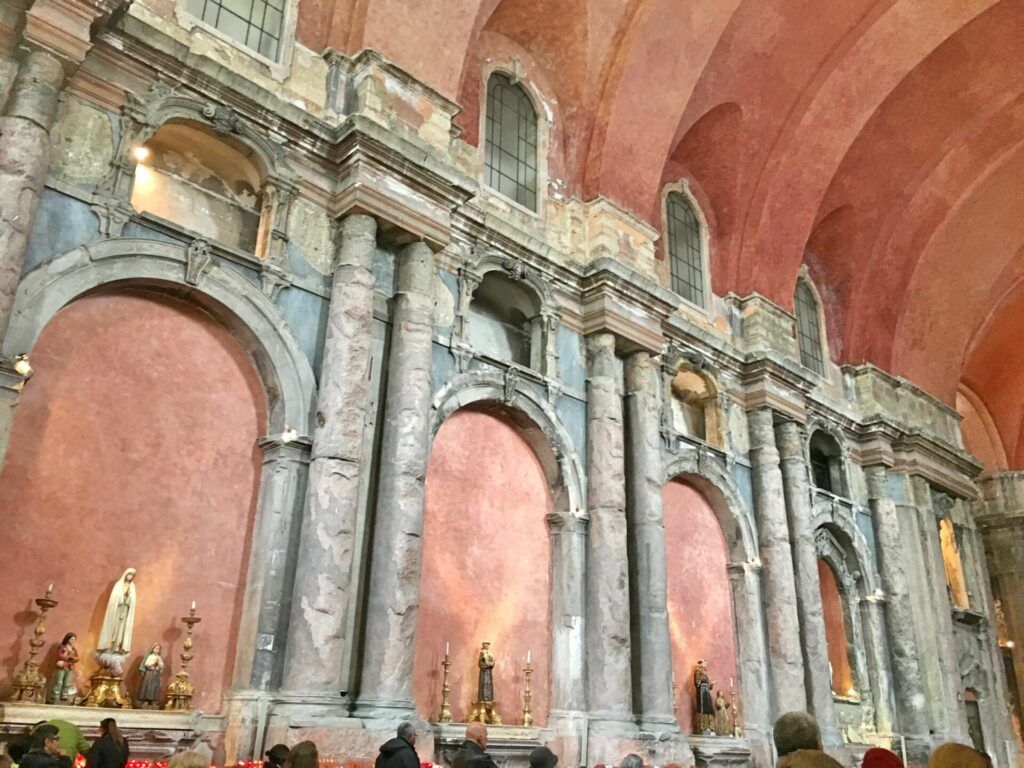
x,y
685,248
836,617
808,328
510,149
256,24
827,463
194,179
504,320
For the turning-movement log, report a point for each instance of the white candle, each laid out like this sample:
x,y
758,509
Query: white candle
x,y
529,656
193,605
50,588
730,682
447,648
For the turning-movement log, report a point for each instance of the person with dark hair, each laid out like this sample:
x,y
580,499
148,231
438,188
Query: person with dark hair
x,y
277,755
542,757
303,755
19,746
45,751
399,752
110,750
632,760
795,730
72,741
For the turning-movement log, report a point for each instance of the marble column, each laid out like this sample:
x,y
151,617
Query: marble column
x,y
911,706
785,660
644,480
609,685
386,686
568,547
818,680
24,162
323,578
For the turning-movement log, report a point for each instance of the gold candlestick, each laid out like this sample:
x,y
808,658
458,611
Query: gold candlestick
x,y
527,695
29,685
446,689
737,727
181,690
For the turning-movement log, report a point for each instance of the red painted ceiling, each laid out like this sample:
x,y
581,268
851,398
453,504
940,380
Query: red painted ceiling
x,y
879,142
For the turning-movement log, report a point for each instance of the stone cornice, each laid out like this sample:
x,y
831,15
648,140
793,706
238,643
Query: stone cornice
x,y
772,381
617,300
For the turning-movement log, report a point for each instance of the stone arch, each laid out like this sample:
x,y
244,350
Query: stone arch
x,y
709,476
539,425
541,428
187,271
817,428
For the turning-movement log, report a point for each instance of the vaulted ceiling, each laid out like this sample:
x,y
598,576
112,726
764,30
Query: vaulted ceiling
x,y
881,142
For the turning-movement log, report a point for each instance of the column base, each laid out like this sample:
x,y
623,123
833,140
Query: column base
x,y
387,710
658,724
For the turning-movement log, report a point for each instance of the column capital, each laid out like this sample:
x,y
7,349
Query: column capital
x,y
416,269
357,241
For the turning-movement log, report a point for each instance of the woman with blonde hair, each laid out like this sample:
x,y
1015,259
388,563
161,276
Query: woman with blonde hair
x,y
958,756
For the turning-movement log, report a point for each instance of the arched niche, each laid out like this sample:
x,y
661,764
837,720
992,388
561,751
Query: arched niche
x,y
827,463
252,322
498,448
952,563
711,488
504,321
837,617
211,185
694,403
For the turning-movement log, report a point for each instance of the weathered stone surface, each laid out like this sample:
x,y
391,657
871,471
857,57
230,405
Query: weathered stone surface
x,y
24,161
609,685
796,487
644,477
782,620
83,143
908,688
386,683
323,577
309,228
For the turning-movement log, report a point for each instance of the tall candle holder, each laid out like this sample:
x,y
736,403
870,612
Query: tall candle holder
x,y
737,720
527,695
181,689
446,689
29,684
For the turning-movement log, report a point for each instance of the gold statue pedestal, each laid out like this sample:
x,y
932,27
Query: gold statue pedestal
x,y
106,691
485,712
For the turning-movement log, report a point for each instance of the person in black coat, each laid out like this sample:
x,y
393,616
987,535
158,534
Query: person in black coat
x,y
45,751
472,754
110,750
399,752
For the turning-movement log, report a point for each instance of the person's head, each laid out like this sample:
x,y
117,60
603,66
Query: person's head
x,y
808,758
303,755
477,733
188,759
796,730
876,757
46,737
18,746
156,648
542,757
129,576
277,754
69,639
407,732
632,760
958,756
108,727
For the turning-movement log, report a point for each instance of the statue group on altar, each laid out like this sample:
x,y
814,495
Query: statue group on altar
x,y
712,710
113,647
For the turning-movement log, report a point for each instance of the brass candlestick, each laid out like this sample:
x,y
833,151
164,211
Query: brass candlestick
x,y
527,695
29,685
737,727
181,690
446,689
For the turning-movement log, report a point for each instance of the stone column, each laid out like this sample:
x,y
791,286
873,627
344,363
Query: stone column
x,y
818,682
644,480
266,607
877,650
24,162
568,545
393,602
316,642
609,684
778,581
906,669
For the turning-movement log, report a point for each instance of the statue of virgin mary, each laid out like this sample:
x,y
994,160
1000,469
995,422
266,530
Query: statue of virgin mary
x,y
116,633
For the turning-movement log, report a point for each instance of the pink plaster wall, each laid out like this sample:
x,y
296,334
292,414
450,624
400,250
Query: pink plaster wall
x,y
835,630
486,567
133,445
699,596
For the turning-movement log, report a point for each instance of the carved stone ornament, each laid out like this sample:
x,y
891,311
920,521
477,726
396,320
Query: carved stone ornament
x,y
199,259
511,382
224,119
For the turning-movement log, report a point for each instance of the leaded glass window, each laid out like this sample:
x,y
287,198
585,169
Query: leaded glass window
x,y
808,328
685,249
511,143
255,24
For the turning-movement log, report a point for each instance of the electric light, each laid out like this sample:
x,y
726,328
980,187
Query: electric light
x,y
22,366
290,434
141,154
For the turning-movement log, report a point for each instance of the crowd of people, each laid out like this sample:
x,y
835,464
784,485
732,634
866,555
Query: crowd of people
x,y
56,744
